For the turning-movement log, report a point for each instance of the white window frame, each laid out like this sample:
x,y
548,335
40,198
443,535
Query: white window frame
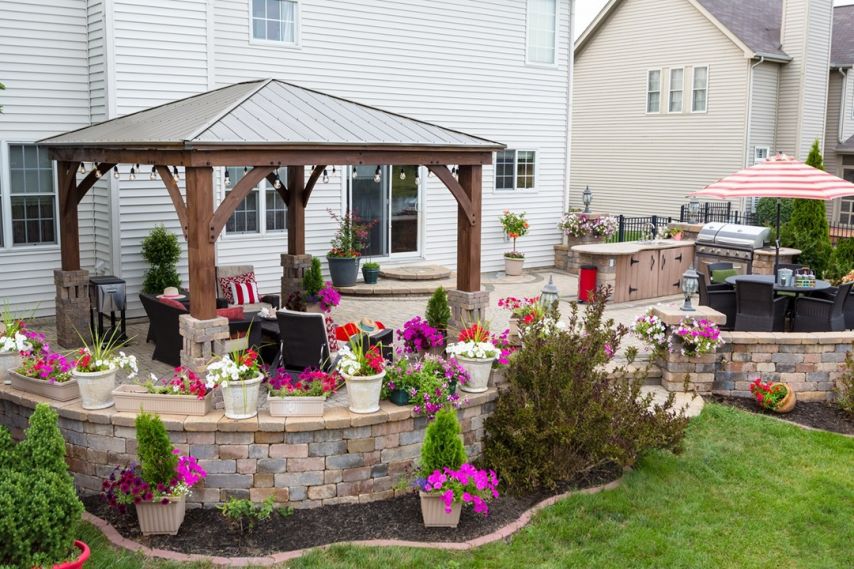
x,y
263,231
756,149
516,187
648,92
8,244
708,76
670,90
296,44
528,60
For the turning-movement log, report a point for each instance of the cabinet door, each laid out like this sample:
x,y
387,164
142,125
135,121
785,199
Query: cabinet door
x,y
674,262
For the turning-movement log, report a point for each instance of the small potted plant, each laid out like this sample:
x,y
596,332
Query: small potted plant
x,y
328,298
515,226
475,351
777,397
47,374
184,393
351,236
363,368
524,311
438,311
418,337
447,481
239,376
312,282
428,384
300,397
371,272
695,338
95,370
651,330
158,485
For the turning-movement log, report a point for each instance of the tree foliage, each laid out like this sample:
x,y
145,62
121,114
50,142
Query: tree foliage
x,y
155,450
162,252
443,445
312,279
438,312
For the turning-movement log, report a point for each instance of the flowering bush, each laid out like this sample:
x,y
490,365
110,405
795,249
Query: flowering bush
x,y
309,383
126,486
47,366
236,366
515,226
576,224
768,395
328,297
183,382
351,235
651,330
418,336
475,343
526,310
355,360
697,337
466,484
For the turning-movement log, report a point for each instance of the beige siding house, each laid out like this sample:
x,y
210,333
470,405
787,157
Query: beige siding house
x,y
670,95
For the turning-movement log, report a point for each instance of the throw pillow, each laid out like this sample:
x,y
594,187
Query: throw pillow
x,y
173,303
233,313
244,293
225,284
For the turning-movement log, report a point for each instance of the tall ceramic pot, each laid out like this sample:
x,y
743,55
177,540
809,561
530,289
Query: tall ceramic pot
x,y
364,392
8,361
513,266
96,388
241,398
161,519
479,370
343,270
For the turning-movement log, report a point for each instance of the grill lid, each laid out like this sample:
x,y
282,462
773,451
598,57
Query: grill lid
x,y
742,236
709,231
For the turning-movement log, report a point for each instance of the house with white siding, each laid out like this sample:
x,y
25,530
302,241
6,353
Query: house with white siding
x,y
671,95
500,70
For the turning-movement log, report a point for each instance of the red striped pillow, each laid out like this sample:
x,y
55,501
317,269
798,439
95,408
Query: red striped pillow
x,y
244,293
225,284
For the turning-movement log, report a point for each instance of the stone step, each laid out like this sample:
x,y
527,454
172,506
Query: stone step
x,y
415,273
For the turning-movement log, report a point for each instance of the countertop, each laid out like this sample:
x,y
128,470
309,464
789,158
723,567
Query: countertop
x,y
630,247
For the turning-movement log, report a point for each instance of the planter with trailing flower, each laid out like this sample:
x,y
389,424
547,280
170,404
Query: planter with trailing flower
x,y
475,351
239,376
420,338
777,397
16,341
351,237
185,393
428,384
95,371
363,369
523,312
303,396
46,374
515,226
158,485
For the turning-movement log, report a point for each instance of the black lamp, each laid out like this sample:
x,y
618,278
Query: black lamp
x,y
587,198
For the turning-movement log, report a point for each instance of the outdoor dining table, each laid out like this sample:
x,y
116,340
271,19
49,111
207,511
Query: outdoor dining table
x,y
769,279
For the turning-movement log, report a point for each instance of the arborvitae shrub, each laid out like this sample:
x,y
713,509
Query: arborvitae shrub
x,y
443,445
162,252
7,448
312,280
842,259
438,312
43,446
154,450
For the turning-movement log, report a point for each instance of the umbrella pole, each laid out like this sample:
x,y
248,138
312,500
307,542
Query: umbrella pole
x,y
777,239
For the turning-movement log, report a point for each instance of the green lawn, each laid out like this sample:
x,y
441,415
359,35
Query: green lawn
x,y
747,492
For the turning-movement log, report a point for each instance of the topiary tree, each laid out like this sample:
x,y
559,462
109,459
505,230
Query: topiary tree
x,y
443,445
438,312
43,446
312,280
162,252
808,229
156,458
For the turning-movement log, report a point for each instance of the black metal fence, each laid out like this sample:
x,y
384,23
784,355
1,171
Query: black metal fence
x,y
635,228
717,212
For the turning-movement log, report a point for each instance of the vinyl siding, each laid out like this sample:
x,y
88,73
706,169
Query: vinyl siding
x,y
832,133
637,163
763,116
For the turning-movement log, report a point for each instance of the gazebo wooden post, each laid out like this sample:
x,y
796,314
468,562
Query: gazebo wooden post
x,y
295,261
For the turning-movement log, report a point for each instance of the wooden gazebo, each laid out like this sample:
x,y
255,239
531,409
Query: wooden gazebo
x,y
263,125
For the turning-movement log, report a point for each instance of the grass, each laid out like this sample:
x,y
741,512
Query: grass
x,y
747,492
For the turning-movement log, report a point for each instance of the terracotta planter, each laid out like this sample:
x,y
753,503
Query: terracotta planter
x,y
433,511
241,398
161,519
296,406
81,559
96,388
513,266
135,398
479,372
364,392
57,391
8,361
788,402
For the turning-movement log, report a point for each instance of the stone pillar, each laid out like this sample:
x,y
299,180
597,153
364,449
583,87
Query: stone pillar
x,y
72,307
202,340
467,308
293,269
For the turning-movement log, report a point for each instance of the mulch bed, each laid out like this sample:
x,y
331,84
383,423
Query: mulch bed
x,y
816,414
206,532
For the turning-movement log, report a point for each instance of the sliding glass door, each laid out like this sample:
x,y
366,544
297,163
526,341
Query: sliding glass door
x,y
390,197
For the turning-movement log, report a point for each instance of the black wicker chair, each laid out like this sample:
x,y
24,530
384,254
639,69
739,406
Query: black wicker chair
x,y
757,310
720,297
304,342
163,329
822,315
830,294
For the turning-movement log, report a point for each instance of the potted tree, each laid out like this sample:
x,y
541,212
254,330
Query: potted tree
x,y
158,485
351,236
302,396
438,311
363,368
515,226
312,283
95,370
475,351
239,375
161,251
185,393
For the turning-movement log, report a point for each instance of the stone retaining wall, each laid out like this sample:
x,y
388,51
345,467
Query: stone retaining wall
x,y
568,260
305,462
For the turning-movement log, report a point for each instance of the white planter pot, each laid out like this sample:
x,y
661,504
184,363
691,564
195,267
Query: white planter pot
x,y
296,406
513,267
8,361
96,388
364,392
479,371
65,391
433,511
241,398
161,519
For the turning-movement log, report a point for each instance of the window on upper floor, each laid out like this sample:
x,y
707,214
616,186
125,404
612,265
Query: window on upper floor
x,y
700,90
262,211
275,21
32,195
542,31
653,91
515,169
677,80
760,154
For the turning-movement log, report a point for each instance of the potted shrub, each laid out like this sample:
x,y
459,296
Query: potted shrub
x,y
371,272
41,511
438,311
300,397
363,368
312,282
515,226
47,374
476,353
447,481
239,375
95,371
419,337
777,397
351,236
185,393
158,485
161,250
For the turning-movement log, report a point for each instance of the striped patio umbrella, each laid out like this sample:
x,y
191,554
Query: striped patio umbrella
x,y
779,177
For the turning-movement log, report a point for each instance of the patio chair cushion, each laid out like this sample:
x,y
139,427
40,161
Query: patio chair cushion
x,y
226,281
233,313
173,303
343,333
245,293
721,275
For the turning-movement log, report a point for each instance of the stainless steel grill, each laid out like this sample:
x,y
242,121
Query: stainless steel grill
x,y
108,295
727,241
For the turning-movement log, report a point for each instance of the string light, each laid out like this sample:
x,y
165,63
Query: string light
x,y
333,170
153,175
176,174
278,183
116,172
245,170
402,174
378,174
354,174
325,176
97,172
227,179
82,168
417,177
132,175
455,172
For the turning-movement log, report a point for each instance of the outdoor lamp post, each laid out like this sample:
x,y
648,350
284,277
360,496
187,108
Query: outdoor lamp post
x,y
693,209
690,285
549,295
587,198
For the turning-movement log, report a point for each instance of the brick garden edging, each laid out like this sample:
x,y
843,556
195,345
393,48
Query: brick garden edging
x,y
117,540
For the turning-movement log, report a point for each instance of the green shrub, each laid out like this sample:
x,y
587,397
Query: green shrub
x,y
162,252
155,450
443,444
563,413
43,446
371,265
842,260
7,448
766,211
245,514
312,280
438,312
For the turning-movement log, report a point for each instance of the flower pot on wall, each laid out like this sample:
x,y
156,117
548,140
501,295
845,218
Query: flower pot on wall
x,y
8,361
433,511
241,398
788,402
479,371
65,391
96,388
299,406
399,397
513,266
133,398
343,270
161,519
364,392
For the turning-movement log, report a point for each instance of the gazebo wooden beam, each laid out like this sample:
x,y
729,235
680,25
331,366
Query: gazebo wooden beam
x,y
312,181
200,249
69,229
282,190
468,233
459,193
296,211
86,183
175,194
236,195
